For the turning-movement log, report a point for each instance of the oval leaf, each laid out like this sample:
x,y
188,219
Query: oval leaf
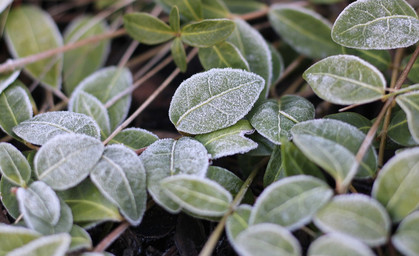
x,y
174,19
213,9
13,165
54,245
66,160
377,24
275,169
407,235
398,130
189,9
12,237
120,176
338,244
409,102
354,119
214,100
237,222
80,239
8,199
222,55
7,79
355,215
179,54
134,138
345,80
206,33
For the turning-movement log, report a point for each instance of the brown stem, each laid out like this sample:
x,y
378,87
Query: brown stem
x,y
111,237
291,67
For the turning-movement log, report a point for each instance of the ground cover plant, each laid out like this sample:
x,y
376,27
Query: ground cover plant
x,y
210,127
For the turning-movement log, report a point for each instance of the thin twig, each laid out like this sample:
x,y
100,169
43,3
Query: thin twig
x,y
111,237
291,67
128,53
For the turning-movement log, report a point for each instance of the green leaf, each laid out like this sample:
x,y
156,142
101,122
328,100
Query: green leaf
x,y
214,9
15,107
197,195
398,130
120,176
267,239
88,205
265,146
291,202
377,24
409,102
206,33
214,99
355,215
8,199
244,6
337,244
174,19
228,141
238,222
105,84
378,58
12,237
80,239
43,127
13,165
81,62
396,184
277,64
345,80
168,157
134,138
53,245
274,119
304,30
7,79
407,235
189,9
179,54
65,160
30,30
275,170
222,55
332,145
354,119
413,76
147,29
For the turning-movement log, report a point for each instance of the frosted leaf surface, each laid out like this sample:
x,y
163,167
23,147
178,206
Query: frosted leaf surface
x,y
7,79
337,244
66,160
409,102
238,222
377,24
407,235
13,165
134,138
214,99
222,55
43,127
345,80
54,245
80,239
12,237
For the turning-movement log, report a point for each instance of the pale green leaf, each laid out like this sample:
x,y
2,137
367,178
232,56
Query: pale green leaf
x,y
396,185
120,176
81,62
8,199
345,80
228,141
244,6
168,157
222,55
337,244
355,215
65,160
291,202
214,9
206,33
179,54
275,170
12,237
13,165
189,9
304,30
4,4
214,99
352,118
406,238
53,245
7,79
377,24
174,19
134,138
238,222
398,130
80,239
30,30
409,102
267,239
147,29
198,195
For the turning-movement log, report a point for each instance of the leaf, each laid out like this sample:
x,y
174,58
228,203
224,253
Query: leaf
x,y
377,24
277,64
81,62
274,119
147,29
15,107
179,54
12,237
88,205
167,157
345,80
304,30
332,145
222,55
206,33
244,6
398,130
378,58
354,119
237,222
8,199
4,4
54,245
214,9
396,184
80,239
189,9
409,102
228,141
30,30
407,236
265,147
275,170
413,76
87,104
267,239
65,160
197,195
13,165
337,244
43,127
291,202
8,78
174,19
214,99
355,215
134,138
105,84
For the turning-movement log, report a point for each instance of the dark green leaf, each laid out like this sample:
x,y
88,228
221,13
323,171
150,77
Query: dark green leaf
x,y
378,58
398,130
8,199
179,54
354,119
214,9
409,102
7,79
206,33
13,165
134,138
275,169
406,237
244,6
222,55
174,19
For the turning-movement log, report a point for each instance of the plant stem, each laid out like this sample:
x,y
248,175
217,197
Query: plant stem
x,y
291,67
111,237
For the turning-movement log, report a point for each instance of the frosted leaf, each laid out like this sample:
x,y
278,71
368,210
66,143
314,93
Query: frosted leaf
x,y
377,24
206,33
12,237
120,176
80,239
54,245
345,80
168,157
237,222
222,55
13,165
66,160
409,102
8,199
43,127
134,138
407,235
7,79
337,244
214,99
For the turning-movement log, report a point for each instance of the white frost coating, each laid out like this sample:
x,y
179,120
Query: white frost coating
x,y
409,102
16,230
6,80
57,244
406,235
43,127
214,99
134,138
355,215
377,24
334,244
120,176
13,165
17,100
